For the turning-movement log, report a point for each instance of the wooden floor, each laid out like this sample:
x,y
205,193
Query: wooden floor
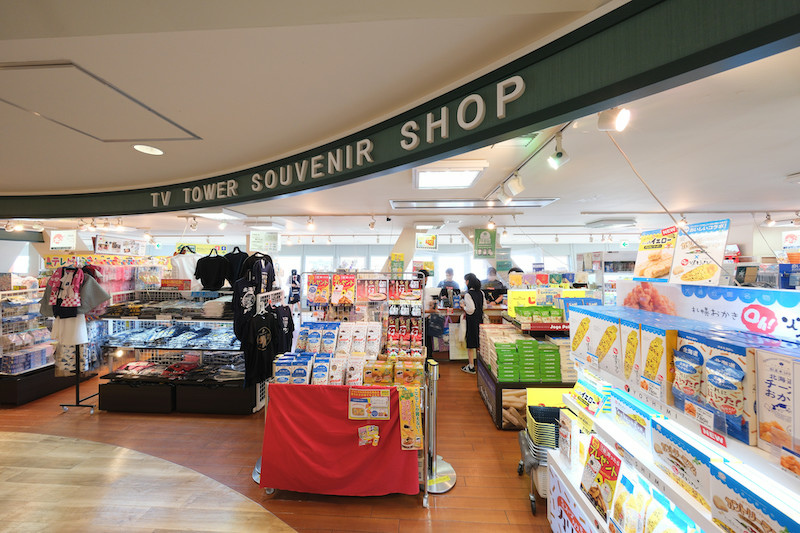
x,y
50,483
489,496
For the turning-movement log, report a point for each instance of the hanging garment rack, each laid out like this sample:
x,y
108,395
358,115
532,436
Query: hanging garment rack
x,y
78,400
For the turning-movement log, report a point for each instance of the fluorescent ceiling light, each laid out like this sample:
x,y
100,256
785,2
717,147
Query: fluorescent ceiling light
x,y
269,226
220,214
427,226
469,204
612,223
449,174
149,150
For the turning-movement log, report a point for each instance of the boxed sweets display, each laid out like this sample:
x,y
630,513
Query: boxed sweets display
x,y
747,501
685,458
634,416
778,404
580,319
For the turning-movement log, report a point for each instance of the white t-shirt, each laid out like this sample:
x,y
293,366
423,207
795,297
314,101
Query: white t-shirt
x,y
183,267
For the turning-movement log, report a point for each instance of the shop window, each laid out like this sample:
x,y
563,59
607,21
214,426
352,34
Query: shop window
x,y
353,263
556,263
376,262
287,263
319,263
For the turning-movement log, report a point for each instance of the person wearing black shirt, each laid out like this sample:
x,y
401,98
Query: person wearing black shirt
x,y
472,303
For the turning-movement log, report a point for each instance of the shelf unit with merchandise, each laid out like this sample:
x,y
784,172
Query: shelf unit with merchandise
x,y
26,352
181,361
677,451
606,269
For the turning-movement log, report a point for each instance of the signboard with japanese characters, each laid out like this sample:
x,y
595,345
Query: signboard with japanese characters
x,y
762,311
654,259
699,251
485,243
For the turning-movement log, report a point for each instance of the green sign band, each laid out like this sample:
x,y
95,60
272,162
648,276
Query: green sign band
x,y
641,48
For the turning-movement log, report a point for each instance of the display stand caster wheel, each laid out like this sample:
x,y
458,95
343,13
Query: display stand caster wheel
x,y
533,507
520,468
91,411
269,491
425,501
65,408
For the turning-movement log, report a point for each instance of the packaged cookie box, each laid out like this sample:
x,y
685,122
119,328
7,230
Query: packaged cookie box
x,y
605,339
656,367
778,404
634,416
580,320
747,501
685,459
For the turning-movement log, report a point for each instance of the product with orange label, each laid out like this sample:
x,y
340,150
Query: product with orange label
x,y
600,475
409,373
378,373
410,417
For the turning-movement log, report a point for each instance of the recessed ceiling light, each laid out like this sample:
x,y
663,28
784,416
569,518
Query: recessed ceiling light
x,y
149,150
449,174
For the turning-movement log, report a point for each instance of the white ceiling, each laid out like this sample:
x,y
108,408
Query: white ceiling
x,y
268,81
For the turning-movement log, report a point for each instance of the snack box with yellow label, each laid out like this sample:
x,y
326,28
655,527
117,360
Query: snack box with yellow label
x,y
656,366
685,459
580,320
604,348
379,373
747,501
778,401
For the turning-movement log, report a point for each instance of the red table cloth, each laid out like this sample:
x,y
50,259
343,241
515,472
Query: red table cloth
x,y
311,446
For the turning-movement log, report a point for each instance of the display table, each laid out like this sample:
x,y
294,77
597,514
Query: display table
x,y
310,445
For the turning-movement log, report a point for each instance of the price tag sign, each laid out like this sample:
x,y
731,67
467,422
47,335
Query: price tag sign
x,y
163,317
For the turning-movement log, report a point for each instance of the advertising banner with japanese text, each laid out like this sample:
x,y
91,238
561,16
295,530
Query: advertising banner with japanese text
x,y
763,311
427,242
694,260
563,511
654,259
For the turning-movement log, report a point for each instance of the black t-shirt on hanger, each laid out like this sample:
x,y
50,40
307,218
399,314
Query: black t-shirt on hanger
x,y
236,259
212,270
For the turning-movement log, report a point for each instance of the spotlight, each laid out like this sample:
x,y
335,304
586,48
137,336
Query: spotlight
x,y
559,157
613,119
9,226
330,240
118,225
505,233
298,240
147,236
768,221
193,224
372,223
222,225
683,223
796,221
591,238
288,241
18,226
118,353
610,238
37,226
310,224
312,239
451,239
81,226
556,239
490,224
504,198
514,186
92,225
377,239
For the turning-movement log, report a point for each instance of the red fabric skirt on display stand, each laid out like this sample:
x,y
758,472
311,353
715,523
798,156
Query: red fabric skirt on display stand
x,y
310,445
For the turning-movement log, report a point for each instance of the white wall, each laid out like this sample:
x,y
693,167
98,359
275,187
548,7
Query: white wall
x,y
9,251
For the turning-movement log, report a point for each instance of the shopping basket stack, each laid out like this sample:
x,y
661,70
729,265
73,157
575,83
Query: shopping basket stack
x,y
540,437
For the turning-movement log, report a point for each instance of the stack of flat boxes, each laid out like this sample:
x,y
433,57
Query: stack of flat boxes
x,y
529,364
507,361
569,373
